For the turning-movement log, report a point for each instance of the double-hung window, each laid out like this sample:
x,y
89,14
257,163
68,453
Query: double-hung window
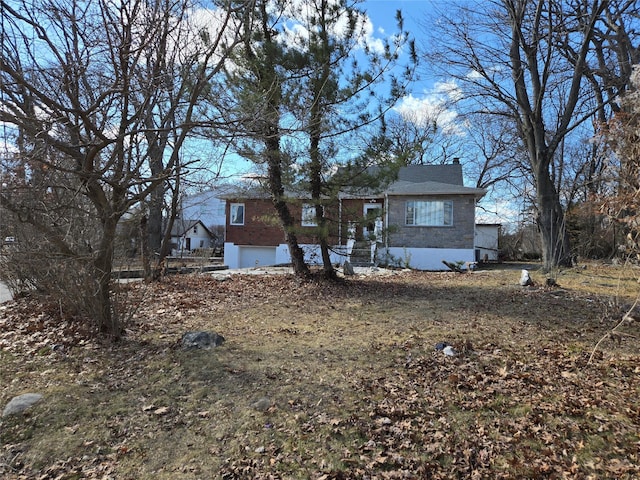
x,y
429,213
237,214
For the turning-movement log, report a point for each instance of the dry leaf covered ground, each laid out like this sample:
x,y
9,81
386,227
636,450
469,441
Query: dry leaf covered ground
x,y
333,381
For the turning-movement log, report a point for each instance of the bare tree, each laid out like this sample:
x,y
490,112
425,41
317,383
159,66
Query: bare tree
x,y
77,81
187,106
527,61
499,153
416,139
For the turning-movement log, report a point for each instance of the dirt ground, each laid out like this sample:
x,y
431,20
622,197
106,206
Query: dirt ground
x,y
337,380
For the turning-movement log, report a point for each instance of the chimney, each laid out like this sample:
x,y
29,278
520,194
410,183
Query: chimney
x,y
456,161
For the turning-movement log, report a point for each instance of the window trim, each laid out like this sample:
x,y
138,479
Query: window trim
x,y
444,203
231,213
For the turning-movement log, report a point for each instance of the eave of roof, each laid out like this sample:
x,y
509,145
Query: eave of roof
x,y
182,227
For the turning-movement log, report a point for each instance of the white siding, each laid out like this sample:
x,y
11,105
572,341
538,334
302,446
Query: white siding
x,y
487,241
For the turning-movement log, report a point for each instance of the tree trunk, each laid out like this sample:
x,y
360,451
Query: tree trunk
x,y
154,220
322,231
154,225
144,248
551,223
300,267
328,269
322,93
276,189
107,318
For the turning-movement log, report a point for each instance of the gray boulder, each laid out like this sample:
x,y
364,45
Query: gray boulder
x,y
262,404
21,403
203,340
347,269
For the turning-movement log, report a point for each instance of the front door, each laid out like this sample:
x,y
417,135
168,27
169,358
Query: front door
x,y
373,216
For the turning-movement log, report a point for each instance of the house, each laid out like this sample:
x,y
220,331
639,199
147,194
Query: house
x,y
208,207
189,235
425,216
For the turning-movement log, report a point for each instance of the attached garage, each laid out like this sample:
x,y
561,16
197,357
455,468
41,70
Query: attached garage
x,y
250,256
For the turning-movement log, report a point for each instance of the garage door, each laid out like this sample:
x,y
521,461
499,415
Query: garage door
x,y
257,256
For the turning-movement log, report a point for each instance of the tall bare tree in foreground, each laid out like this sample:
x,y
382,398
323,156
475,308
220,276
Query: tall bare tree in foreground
x,y
528,61
87,99
187,106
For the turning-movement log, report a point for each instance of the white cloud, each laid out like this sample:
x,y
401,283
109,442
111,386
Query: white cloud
x,y
449,89
368,39
433,106
497,210
474,75
296,28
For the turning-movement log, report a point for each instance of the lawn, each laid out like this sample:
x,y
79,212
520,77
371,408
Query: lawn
x,y
339,380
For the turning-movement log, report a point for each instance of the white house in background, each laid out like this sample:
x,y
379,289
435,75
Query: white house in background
x,y
487,235
189,235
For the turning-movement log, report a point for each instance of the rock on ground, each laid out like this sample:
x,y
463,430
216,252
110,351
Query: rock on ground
x,y
21,403
525,278
204,340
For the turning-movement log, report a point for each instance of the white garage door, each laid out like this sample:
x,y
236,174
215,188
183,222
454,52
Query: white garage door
x,y
257,256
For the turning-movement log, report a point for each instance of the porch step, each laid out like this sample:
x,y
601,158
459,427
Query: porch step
x,y
361,255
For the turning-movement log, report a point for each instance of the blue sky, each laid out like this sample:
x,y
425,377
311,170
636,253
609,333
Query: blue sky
x,y
382,12
428,96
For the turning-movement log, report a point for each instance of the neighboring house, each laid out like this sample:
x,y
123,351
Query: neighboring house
x,y
189,235
207,207
424,217
487,235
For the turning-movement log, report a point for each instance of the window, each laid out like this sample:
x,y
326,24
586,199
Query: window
x,y
429,213
237,214
195,229
309,215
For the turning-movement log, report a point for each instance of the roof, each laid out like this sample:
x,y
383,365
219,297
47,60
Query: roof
x,y
450,174
431,188
180,227
412,180
425,180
